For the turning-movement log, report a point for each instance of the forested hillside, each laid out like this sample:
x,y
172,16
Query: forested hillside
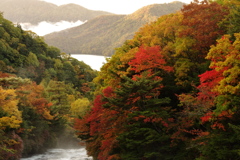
x,y
171,92
35,11
41,91
101,35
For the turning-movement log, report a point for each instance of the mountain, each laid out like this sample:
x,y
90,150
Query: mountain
x,y
99,36
35,11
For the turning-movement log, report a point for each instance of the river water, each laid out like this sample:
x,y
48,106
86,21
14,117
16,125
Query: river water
x,y
61,154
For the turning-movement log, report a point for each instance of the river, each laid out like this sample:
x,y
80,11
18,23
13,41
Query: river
x,y
61,154
94,61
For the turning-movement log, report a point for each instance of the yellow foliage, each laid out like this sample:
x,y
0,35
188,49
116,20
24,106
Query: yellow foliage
x,y
71,98
11,122
47,115
80,107
226,56
8,103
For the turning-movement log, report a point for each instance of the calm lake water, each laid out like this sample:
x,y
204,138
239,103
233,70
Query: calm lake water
x,y
94,61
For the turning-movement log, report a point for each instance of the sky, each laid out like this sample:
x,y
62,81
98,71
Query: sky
x,y
114,6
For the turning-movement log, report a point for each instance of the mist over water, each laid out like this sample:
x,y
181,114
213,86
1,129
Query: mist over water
x,y
45,27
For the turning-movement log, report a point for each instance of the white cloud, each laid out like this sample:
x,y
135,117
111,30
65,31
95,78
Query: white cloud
x,y
44,27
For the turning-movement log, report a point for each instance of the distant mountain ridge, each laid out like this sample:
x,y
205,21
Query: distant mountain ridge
x,y
99,36
35,11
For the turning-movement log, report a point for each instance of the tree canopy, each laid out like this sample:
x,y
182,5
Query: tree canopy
x,y
171,92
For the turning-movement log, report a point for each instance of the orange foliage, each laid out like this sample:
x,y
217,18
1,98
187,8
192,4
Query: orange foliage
x,y
36,100
4,75
149,58
201,21
206,117
85,88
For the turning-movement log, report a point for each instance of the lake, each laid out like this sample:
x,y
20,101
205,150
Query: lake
x,y
94,61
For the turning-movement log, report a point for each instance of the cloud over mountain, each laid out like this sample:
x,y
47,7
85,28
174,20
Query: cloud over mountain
x,y
45,27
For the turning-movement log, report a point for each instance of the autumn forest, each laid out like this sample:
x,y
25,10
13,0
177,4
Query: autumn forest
x,y
169,93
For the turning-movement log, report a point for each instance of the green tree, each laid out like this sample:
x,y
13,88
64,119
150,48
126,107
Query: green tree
x,y
32,60
231,21
57,92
